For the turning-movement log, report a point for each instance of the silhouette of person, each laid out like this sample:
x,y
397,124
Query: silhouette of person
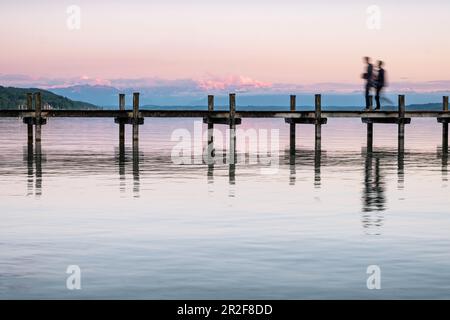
x,y
368,76
380,83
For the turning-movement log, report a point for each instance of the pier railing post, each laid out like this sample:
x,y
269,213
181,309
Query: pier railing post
x,y
292,126
29,125
121,124
210,147
38,110
232,128
135,116
401,122
445,126
318,122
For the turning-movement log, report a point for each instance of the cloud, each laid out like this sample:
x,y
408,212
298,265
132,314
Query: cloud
x,y
232,83
213,85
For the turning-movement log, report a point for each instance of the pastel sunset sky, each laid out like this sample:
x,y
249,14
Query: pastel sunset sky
x,y
256,41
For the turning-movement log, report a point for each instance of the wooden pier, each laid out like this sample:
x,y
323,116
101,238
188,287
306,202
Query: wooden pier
x,y
35,117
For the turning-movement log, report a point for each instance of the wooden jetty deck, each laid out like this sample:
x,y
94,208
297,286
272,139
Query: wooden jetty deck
x,y
35,117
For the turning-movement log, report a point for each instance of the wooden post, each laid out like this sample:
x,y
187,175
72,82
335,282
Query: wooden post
x,y
369,137
232,128
30,126
318,124
38,110
401,123
370,128
121,124
135,116
445,126
292,127
210,147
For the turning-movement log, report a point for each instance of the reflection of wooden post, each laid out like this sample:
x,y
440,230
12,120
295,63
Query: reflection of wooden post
x,y
401,122
29,125
445,127
292,126
136,180
121,124
38,163
38,110
318,123
232,128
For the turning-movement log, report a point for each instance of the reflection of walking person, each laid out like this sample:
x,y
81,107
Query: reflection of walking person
x,y
380,83
368,76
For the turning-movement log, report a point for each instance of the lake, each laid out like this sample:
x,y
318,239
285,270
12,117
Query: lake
x,y
140,226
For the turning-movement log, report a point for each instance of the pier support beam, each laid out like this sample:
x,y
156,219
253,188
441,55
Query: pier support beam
x,y
121,124
210,146
210,153
318,122
292,137
135,116
401,123
369,137
370,128
38,111
232,128
445,126
29,125
232,156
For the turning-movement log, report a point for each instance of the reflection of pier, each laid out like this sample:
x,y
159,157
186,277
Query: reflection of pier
x,y
122,156
34,117
132,163
374,195
33,157
37,117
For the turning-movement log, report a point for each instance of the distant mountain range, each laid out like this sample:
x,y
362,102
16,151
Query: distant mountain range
x,y
160,97
163,98
12,98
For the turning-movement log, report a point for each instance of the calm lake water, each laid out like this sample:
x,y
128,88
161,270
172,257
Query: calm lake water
x,y
140,226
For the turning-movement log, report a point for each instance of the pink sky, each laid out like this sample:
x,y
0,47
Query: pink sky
x,y
261,42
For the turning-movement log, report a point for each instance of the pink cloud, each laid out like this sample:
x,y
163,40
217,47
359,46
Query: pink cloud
x,y
236,83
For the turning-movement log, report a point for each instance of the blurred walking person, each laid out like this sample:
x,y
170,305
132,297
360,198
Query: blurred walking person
x,y
368,76
380,83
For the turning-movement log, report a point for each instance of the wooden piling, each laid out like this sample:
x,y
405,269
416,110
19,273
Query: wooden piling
x,y
401,123
210,147
29,125
445,126
292,127
136,116
232,120
370,128
38,111
318,123
121,124
369,137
